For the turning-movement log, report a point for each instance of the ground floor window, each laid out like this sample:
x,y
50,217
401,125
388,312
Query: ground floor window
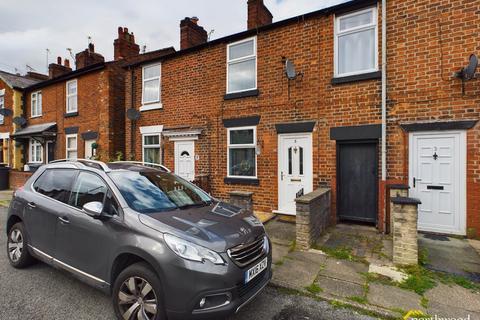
x,y
36,152
151,148
242,157
71,146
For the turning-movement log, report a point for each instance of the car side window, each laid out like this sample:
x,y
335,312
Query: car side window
x,y
55,183
87,188
111,206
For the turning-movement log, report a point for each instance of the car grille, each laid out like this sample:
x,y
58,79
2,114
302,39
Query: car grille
x,y
244,289
244,254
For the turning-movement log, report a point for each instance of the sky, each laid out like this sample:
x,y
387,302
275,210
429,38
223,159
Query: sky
x,y
29,27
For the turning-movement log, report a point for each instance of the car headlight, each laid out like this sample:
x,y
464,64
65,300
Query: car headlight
x,y
266,244
191,251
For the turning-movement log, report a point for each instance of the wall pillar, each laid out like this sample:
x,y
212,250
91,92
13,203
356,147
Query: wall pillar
x,y
405,235
393,191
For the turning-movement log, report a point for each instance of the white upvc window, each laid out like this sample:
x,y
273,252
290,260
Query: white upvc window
x,y
71,146
35,152
151,150
72,95
36,104
151,87
2,104
242,66
356,42
242,152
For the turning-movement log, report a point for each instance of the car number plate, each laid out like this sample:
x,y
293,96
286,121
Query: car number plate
x,y
256,270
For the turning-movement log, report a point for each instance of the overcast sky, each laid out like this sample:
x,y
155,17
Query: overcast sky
x,y
29,27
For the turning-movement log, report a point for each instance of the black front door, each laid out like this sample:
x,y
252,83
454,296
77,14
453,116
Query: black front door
x,y
357,181
50,151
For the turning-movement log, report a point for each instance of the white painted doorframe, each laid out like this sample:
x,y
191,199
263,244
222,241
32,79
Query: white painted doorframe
x,y
306,179
460,187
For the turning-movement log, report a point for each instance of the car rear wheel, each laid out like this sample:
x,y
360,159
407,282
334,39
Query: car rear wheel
x,y
17,247
137,294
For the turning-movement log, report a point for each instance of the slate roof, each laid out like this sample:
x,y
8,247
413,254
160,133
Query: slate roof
x,y
35,130
17,81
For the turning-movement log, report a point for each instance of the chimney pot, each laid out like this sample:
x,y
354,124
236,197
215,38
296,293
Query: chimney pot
x,y
59,60
91,47
67,63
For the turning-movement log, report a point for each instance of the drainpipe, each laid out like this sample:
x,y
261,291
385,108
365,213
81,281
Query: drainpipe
x,y
384,90
384,99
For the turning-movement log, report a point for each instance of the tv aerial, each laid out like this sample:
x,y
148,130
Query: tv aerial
x,y
468,73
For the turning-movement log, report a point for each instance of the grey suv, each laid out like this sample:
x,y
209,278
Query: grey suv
x,y
161,246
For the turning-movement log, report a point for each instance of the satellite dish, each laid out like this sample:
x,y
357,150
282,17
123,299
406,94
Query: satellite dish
x,y
469,71
290,70
133,114
20,121
6,112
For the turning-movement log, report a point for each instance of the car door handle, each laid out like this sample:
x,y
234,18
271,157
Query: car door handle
x,y
31,204
64,220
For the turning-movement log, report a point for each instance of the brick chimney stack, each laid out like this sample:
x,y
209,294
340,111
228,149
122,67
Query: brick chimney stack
x,y
88,57
124,46
258,14
57,69
36,75
191,34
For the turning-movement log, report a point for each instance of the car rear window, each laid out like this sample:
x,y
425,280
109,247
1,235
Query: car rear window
x,y
55,183
155,191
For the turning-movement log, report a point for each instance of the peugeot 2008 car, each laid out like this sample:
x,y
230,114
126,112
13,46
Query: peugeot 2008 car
x,y
160,245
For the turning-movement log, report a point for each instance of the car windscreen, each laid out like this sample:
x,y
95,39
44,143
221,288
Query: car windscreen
x,y
156,191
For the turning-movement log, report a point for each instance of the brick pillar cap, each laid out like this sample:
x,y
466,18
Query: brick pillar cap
x,y
405,200
399,186
241,193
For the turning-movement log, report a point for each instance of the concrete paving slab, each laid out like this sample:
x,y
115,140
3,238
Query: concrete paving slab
x,y
340,288
444,311
451,255
309,256
282,233
454,296
345,270
295,274
279,252
393,297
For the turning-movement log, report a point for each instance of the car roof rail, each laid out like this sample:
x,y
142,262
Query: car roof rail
x,y
86,162
147,164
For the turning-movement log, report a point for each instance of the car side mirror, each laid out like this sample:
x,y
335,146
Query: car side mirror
x,y
93,209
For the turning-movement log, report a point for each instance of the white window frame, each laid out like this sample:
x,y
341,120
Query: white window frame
x,y
37,144
37,97
157,103
2,105
72,95
152,146
337,34
242,146
242,59
67,149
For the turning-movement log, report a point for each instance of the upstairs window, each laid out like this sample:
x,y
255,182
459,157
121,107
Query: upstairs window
x,y
242,66
2,103
356,43
36,104
242,156
151,84
72,105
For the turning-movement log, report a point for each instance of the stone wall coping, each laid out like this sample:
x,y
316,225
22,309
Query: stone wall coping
x,y
309,197
241,193
399,186
405,200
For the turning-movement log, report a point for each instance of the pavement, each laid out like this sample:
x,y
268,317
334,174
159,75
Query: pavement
x,y
349,280
42,292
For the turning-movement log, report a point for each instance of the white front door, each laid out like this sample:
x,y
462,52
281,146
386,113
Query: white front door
x,y
438,180
294,169
185,159
89,152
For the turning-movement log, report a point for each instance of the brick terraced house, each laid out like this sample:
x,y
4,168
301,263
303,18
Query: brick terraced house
x,y
226,110
80,113
11,104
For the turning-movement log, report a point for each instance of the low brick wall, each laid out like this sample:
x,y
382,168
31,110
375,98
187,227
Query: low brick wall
x,y
18,178
313,216
405,234
242,199
203,182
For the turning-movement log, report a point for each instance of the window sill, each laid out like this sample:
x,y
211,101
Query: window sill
x,y
153,106
358,77
242,181
33,117
71,114
243,94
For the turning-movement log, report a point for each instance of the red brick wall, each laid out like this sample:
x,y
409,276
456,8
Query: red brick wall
x,y
7,125
18,178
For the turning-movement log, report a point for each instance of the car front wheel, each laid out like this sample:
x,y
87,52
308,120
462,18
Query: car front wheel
x,y
137,294
17,247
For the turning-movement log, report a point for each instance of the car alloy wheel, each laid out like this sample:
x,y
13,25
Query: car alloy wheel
x,y
15,245
137,299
